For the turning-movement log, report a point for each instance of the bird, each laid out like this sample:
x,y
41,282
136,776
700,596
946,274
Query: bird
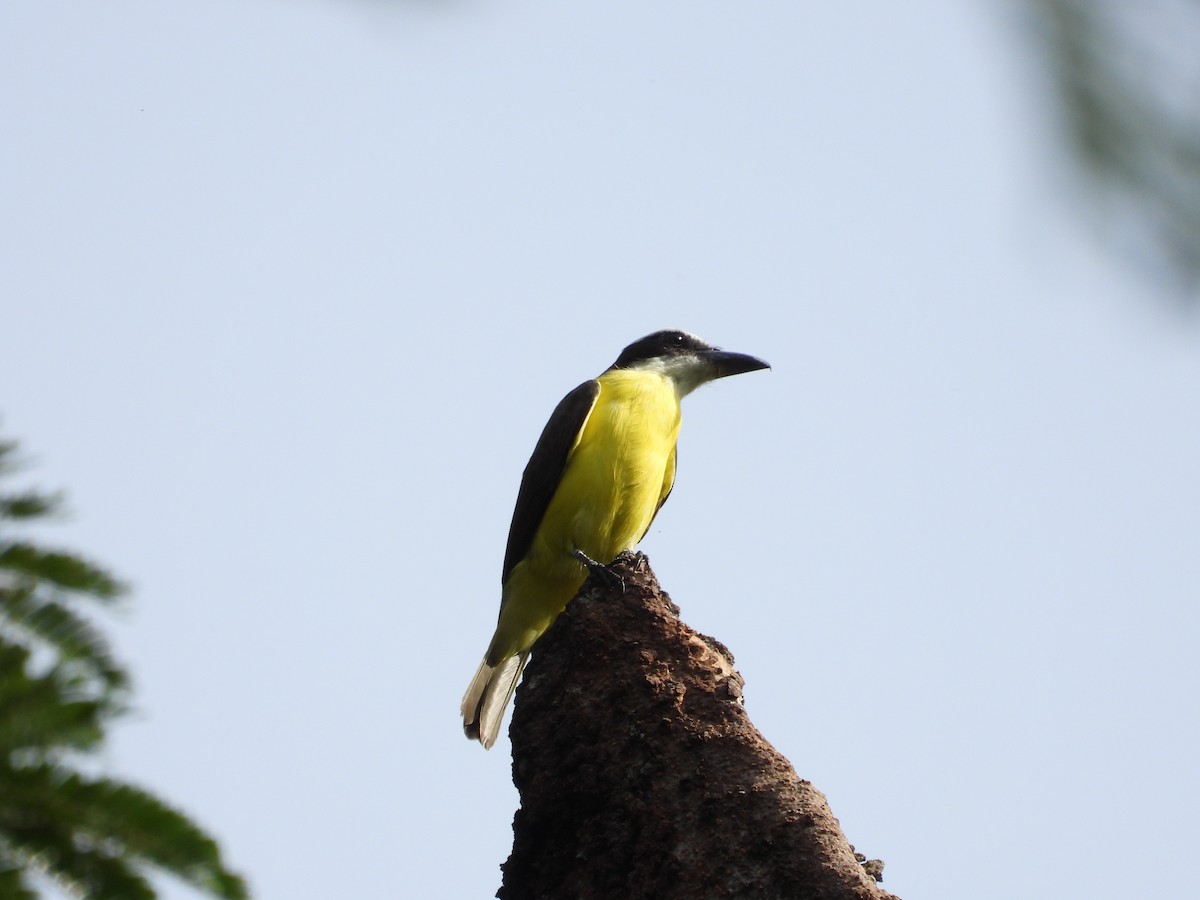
x,y
602,468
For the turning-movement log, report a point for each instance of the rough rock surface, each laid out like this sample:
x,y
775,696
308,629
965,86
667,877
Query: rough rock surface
x,y
641,776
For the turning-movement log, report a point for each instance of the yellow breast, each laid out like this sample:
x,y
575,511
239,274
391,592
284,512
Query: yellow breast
x,y
617,474
619,471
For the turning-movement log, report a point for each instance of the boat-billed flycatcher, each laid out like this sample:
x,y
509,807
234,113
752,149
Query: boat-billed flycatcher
x,y
603,466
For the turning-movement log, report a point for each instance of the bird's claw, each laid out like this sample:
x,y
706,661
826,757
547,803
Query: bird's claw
x,y
611,579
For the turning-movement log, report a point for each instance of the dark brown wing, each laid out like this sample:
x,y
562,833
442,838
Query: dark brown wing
x,y
545,468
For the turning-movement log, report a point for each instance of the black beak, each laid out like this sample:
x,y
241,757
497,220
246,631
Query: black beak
x,y
725,362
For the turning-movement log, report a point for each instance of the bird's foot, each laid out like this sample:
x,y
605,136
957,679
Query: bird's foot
x,y
613,581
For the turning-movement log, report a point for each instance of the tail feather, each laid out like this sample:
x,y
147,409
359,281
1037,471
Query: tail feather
x,y
488,696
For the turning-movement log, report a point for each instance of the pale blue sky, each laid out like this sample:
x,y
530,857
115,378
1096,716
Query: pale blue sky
x,y
290,289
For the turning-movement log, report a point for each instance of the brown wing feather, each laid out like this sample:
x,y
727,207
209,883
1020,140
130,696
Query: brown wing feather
x,y
545,468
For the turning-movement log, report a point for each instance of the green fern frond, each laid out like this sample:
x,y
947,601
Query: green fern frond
x,y
38,620
61,570
124,820
84,871
38,715
12,880
59,686
29,504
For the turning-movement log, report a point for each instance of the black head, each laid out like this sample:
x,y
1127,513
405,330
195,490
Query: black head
x,y
660,345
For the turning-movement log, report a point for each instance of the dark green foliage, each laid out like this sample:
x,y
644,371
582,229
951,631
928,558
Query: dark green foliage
x,y
111,826
1124,76
12,884
60,570
29,505
59,687
38,714
40,619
